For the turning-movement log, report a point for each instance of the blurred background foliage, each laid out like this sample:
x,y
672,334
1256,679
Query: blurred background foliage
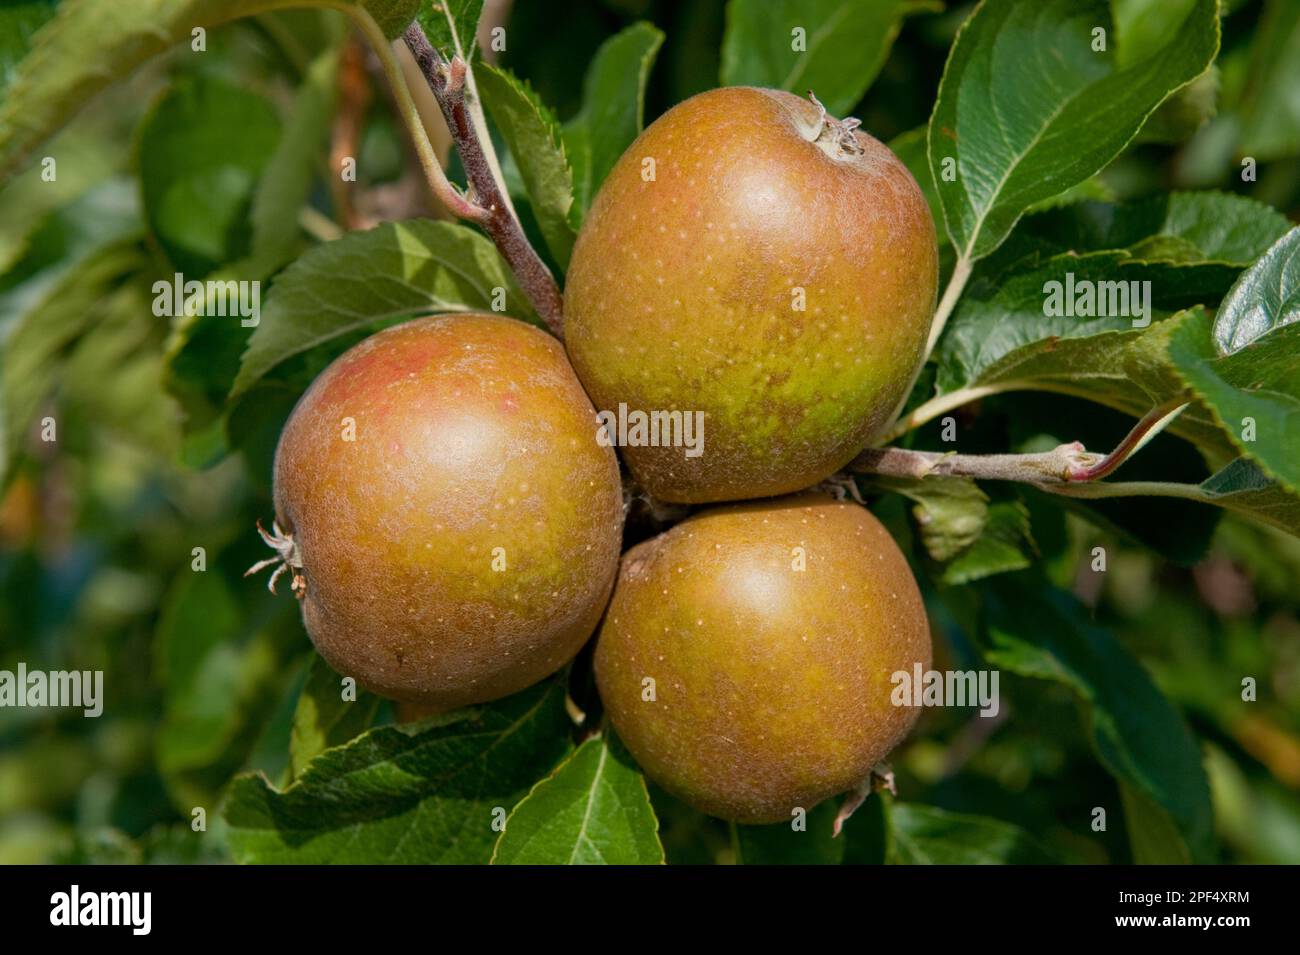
x,y
181,169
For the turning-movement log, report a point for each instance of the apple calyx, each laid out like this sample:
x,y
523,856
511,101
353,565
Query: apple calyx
x,y
834,137
286,559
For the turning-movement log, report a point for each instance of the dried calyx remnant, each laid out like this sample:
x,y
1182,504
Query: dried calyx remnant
x,y
286,559
836,137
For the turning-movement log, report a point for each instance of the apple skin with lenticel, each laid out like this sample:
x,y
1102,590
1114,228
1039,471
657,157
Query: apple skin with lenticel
x,y
747,656
452,523
752,258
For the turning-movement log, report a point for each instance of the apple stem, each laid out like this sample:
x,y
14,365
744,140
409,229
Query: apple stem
x,y
486,203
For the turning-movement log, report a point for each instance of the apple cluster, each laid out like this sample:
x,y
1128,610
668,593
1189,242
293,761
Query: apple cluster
x,y
454,521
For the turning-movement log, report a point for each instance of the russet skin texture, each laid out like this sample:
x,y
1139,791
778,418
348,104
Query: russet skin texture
x,y
772,685
471,433
680,294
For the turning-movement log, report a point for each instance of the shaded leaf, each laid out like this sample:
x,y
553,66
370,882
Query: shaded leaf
x,y
418,793
593,810
37,347
781,844
612,114
1005,544
69,63
19,21
1037,631
221,648
1242,487
1271,125
393,271
951,512
202,150
926,835
324,718
844,45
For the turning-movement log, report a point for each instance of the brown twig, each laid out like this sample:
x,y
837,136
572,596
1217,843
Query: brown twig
x,y
1066,464
1061,465
485,204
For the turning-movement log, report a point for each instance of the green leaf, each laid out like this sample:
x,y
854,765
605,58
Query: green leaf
x,y
201,152
287,179
451,25
532,132
396,270
950,512
1187,228
867,834
1271,123
36,349
1190,247
70,63
593,810
1253,393
1004,545
204,350
781,844
612,114
960,530
105,214
111,373
19,21
844,43
87,154
222,651
1153,836
1265,297
925,835
1006,343
1243,487
1027,108
418,793
1037,631
325,717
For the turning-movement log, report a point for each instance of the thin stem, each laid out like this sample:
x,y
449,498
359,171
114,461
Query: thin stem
x,y
1152,423
491,207
406,109
940,405
956,283
1190,492
318,225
